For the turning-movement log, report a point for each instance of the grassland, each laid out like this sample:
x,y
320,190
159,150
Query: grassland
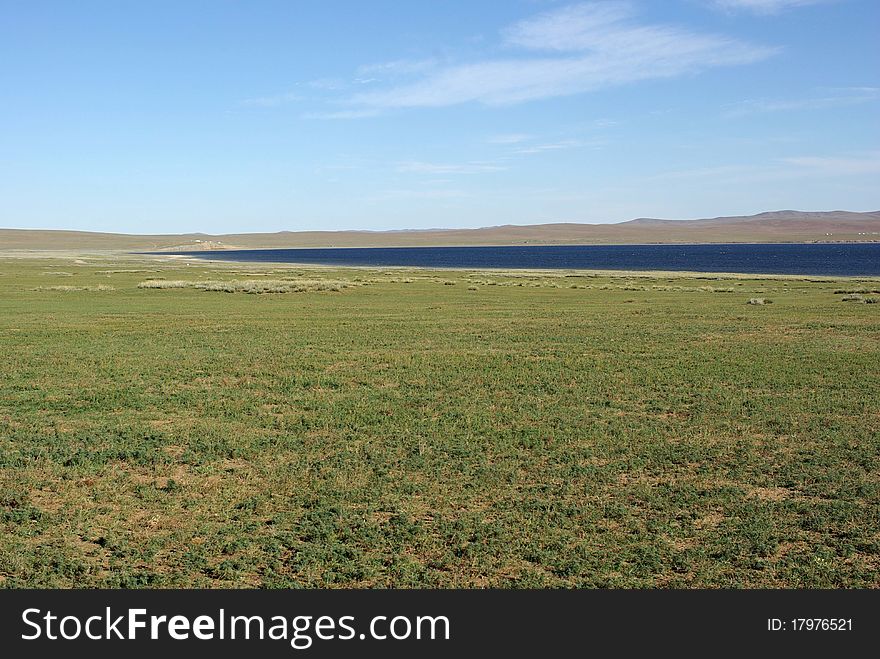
x,y
416,428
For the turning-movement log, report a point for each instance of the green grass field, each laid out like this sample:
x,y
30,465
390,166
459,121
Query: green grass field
x,y
413,428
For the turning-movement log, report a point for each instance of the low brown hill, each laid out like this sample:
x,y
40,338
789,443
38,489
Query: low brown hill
x,y
778,226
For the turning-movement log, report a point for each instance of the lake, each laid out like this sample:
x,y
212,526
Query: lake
x,y
841,259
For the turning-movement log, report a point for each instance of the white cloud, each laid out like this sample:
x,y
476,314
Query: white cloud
x,y
578,27
407,194
721,172
865,163
843,97
763,6
418,167
271,101
588,47
343,114
327,84
552,146
508,138
398,67
781,169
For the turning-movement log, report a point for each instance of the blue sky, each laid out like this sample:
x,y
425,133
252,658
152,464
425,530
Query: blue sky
x,y
222,116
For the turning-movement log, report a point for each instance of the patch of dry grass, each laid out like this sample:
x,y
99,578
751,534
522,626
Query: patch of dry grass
x,y
71,289
254,287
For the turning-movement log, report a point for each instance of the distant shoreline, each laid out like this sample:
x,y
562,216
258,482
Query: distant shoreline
x,y
778,227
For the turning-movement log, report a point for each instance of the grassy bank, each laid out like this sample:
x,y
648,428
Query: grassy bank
x,y
418,428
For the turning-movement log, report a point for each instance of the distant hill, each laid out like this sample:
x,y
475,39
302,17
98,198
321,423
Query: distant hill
x,y
778,226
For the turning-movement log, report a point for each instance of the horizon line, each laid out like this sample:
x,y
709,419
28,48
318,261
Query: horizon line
x,y
440,229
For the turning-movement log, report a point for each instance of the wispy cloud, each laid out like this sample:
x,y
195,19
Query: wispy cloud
x,y
605,123
416,194
508,138
763,6
780,169
836,98
725,172
306,91
343,114
327,84
582,48
271,101
576,27
865,163
398,67
552,146
419,167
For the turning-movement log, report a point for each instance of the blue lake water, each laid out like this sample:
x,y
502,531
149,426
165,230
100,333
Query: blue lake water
x,y
842,259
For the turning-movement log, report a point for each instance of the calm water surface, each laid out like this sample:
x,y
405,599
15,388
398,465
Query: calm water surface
x,y
844,259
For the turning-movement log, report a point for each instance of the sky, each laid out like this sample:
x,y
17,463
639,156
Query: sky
x,y
222,116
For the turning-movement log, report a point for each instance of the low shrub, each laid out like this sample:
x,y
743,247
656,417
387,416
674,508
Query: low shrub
x,y
254,287
71,289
